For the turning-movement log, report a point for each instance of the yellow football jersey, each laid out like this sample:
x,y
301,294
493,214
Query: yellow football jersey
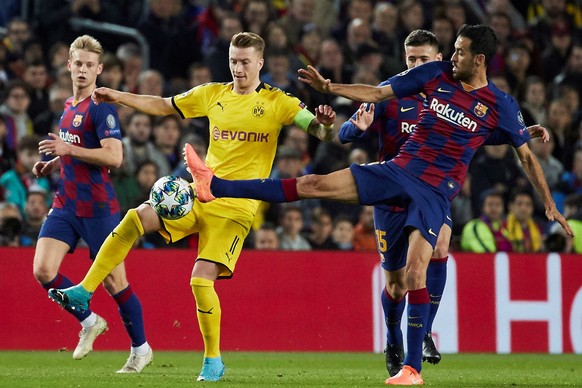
x,y
243,128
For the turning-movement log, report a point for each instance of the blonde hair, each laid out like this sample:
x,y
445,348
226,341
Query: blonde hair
x,y
248,39
88,43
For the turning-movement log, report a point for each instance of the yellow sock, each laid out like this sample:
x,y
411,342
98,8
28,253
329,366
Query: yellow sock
x,y
114,250
208,312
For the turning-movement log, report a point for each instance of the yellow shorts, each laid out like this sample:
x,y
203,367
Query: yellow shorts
x,y
222,227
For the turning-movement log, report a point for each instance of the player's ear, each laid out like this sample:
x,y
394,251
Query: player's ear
x,y
261,63
480,59
99,68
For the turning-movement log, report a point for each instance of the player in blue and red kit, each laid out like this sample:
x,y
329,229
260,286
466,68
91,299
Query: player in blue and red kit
x,y
396,120
85,205
461,110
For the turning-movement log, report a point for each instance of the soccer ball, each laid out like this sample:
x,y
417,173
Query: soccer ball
x,y
172,197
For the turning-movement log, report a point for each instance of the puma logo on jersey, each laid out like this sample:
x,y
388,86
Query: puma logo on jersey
x,y
220,105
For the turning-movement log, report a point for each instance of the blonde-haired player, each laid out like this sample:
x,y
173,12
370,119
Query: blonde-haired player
x,y
245,117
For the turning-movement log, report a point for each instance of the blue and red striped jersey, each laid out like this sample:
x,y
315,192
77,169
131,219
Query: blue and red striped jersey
x,y
452,124
394,121
85,188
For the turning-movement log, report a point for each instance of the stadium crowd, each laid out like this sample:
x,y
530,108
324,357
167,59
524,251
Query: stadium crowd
x,y
539,62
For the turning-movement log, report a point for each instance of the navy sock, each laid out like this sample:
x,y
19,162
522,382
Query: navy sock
x,y
61,281
392,316
436,278
131,315
269,190
418,306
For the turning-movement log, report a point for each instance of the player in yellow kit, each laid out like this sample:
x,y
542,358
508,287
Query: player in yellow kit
x,y
245,118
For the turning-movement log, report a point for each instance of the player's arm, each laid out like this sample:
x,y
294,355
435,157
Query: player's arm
x,y
534,172
110,153
535,131
319,125
152,105
356,92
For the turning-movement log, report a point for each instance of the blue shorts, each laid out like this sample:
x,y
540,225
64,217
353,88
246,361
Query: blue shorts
x,y
390,224
387,184
65,226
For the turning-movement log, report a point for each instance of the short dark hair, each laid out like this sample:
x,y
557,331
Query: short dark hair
x,y
420,38
483,40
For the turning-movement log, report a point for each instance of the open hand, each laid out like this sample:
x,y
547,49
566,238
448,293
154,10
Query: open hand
x,y
538,131
325,115
364,116
312,77
54,146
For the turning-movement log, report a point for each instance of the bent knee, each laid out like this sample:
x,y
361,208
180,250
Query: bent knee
x,y
44,274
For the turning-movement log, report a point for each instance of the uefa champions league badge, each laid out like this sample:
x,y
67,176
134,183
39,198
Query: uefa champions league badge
x,y
110,121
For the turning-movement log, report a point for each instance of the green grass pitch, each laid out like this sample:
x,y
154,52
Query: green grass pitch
x,y
251,369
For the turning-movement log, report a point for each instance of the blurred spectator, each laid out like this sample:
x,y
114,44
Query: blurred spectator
x,y
359,32
385,30
135,189
171,39
501,24
411,14
35,213
321,230
369,57
130,55
444,30
10,225
533,106
298,139
572,72
46,121
167,133
308,48
487,233
299,13
289,230
358,156
501,82
343,233
7,152
112,74
18,32
266,238
332,64
279,74
505,6
287,163
199,74
256,15
217,56
559,122
137,146
544,13
36,76
551,166
572,179
355,9
571,97
496,168
461,210
517,61
150,82
16,106
58,57
16,182
555,55
523,232
364,233
52,18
